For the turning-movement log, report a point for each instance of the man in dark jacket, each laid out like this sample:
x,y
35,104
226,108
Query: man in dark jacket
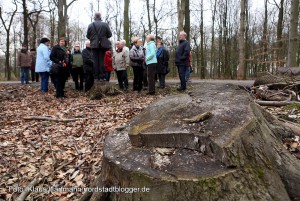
x,y
182,59
95,32
88,68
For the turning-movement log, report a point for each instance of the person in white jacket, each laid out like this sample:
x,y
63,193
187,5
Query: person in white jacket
x,y
43,62
121,64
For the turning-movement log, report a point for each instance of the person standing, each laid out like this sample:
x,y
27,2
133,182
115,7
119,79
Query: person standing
x,y
137,57
43,62
151,62
182,59
108,68
162,56
121,64
59,56
77,67
96,31
24,60
34,75
88,66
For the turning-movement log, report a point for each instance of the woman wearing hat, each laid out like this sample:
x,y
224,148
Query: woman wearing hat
x,y
43,62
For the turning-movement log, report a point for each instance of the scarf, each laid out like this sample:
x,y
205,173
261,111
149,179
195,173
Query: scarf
x,y
159,51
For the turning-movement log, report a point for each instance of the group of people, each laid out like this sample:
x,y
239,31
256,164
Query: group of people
x,y
149,63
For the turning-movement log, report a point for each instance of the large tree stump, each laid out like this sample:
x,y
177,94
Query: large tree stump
x,y
235,154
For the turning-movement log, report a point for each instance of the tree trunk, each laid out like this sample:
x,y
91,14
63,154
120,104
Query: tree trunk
x,y
293,34
61,28
279,51
25,22
187,19
264,47
243,158
242,59
202,63
181,14
126,21
212,49
149,18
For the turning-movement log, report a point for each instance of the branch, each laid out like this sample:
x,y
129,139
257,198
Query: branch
x,y
27,191
276,103
70,3
42,118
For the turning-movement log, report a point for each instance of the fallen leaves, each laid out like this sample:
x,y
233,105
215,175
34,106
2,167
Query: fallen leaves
x,y
64,153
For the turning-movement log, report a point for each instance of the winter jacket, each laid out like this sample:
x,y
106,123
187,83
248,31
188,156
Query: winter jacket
x,y
24,59
102,29
88,62
76,59
43,62
182,53
136,55
108,62
33,61
151,53
121,60
163,62
58,55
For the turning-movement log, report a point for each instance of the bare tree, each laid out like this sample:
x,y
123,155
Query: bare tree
x,y
7,29
293,35
242,59
62,8
126,20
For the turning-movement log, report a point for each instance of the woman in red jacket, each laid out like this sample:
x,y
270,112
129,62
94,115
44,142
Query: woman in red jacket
x,y
108,65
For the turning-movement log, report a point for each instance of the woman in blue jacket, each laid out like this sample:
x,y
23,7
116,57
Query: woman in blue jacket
x,y
43,62
151,62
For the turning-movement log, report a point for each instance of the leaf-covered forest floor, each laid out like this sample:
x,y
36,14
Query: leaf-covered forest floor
x,y
63,151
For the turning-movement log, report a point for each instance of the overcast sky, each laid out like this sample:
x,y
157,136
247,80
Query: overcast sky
x,y
80,11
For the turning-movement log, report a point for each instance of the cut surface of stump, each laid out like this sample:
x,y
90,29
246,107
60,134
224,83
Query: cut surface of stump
x,y
235,154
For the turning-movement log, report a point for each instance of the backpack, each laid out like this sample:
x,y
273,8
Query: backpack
x,y
77,60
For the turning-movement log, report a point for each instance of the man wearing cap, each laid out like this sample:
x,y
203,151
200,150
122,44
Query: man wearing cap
x,y
24,62
96,31
43,62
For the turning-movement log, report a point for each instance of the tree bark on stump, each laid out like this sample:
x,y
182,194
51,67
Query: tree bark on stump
x,y
236,154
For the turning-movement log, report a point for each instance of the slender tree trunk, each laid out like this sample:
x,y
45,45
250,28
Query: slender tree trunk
x,y
181,14
126,21
187,19
265,39
52,27
242,63
202,66
212,49
25,22
293,35
279,35
149,18
61,19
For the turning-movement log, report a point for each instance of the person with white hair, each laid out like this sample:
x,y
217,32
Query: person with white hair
x,y
121,64
182,59
124,45
151,62
98,32
88,66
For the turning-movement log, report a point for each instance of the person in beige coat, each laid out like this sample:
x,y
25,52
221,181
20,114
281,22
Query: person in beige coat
x,y
24,60
121,64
